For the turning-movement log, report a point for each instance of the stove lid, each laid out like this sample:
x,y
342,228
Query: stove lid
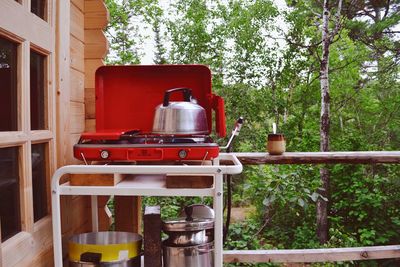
x,y
126,96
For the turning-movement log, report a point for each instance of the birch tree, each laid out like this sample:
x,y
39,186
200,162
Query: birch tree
x,y
327,39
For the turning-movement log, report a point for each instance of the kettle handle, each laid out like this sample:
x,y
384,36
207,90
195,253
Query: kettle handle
x,y
218,106
187,94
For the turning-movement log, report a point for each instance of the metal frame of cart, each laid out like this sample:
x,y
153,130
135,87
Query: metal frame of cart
x,y
152,188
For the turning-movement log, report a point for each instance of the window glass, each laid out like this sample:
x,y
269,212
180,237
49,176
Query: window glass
x,y
8,79
37,78
38,7
9,193
39,185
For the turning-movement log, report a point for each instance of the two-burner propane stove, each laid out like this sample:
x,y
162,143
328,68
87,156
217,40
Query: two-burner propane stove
x,y
127,98
134,146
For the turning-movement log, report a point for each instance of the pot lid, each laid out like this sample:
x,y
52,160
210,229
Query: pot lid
x,y
198,217
182,225
198,211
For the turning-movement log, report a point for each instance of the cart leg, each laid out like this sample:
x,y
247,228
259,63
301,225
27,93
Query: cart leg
x,y
218,209
56,221
95,214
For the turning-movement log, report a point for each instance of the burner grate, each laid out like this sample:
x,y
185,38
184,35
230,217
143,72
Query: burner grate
x,y
153,139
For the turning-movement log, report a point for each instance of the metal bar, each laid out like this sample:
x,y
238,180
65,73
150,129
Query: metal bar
x,y
155,169
126,191
56,220
218,223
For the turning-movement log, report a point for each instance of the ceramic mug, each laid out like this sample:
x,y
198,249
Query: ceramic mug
x,y
276,144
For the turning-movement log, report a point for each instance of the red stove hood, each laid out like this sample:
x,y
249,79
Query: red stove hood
x,y
126,96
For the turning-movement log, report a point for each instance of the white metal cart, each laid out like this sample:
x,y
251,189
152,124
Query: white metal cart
x,y
155,186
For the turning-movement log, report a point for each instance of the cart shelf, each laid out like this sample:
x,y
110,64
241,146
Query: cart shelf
x,y
138,185
147,180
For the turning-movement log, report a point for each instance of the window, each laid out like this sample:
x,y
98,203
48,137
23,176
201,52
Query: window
x,y
37,91
38,7
8,92
39,184
27,123
9,193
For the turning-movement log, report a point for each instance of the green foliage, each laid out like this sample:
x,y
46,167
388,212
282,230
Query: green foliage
x,y
243,236
172,206
128,18
366,204
267,79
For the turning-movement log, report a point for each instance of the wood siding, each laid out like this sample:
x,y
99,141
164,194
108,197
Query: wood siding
x,y
72,98
71,112
96,47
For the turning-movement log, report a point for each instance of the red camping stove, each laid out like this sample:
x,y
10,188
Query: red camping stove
x,y
126,99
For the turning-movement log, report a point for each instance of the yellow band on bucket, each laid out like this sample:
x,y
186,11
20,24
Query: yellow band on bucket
x,y
109,252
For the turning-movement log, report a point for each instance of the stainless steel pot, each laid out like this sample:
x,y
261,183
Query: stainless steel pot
x,y
190,239
189,256
180,117
192,229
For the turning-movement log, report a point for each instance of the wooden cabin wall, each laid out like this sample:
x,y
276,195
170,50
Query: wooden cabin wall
x,y
96,47
76,209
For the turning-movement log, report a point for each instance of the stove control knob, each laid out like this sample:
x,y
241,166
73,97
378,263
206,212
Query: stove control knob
x,y
182,154
104,154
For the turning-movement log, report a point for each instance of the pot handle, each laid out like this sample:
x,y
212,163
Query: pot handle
x,y
91,257
187,94
205,250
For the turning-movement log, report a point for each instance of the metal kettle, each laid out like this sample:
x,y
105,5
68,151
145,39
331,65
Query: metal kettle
x,y
180,117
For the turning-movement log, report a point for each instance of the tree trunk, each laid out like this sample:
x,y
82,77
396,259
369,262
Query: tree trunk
x,y
322,204
274,99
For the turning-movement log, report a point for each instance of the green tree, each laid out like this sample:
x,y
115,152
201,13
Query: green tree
x,y
125,31
122,35
160,57
269,72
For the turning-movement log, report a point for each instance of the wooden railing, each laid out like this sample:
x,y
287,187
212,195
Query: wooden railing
x,y
317,255
360,157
